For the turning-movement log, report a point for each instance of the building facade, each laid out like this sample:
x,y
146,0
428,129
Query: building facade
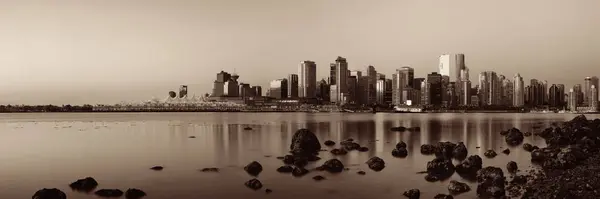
x,y
292,86
307,79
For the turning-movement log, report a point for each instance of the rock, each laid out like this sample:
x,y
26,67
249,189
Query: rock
x,y
318,178
192,136
444,149
157,168
514,137
400,152
491,183
399,128
49,194
519,180
87,184
460,151
268,191
527,134
254,168
363,149
109,193
285,169
247,128
361,172
134,194
349,140
456,187
427,149
506,151
412,194
511,167
333,166
254,184
441,168
210,169
400,145
540,155
490,154
280,157
305,142
339,152
329,143
313,158
470,166
431,178
299,172
300,162
350,146
443,196
376,164
527,147
288,159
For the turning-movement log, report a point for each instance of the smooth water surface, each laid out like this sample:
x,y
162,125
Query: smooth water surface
x,y
54,149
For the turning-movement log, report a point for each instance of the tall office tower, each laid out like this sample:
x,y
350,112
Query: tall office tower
x,y
364,88
444,67
594,98
380,97
278,89
292,89
519,91
387,95
358,95
526,96
573,99
425,97
434,87
465,93
452,98
307,79
594,82
587,89
245,90
380,76
488,94
408,76
460,66
578,90
340,92
545,95
219,84
231,88
508,93
536,93
561,90
372,83
554,97
500,89
352,82
445,95
323,91
332,68
396,91
257,90
417,82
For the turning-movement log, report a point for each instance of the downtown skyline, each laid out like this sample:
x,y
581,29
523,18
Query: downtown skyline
x,y
105,52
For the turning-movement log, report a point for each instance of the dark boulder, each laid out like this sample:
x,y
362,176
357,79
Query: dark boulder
x,y
109,193
427,149
300,162
288,159
412,194
285,169
49,194
527,134
470,166
400,144
329,143
441,168
444,149
254,168
399,128
376,164
565,159
333,166
456,187
506,151
134,194
490,154
431,178
318,178
400,152
212,169
460,151
87,184
519,179
268,191
527,147
491,183
540,155
361,172
363,149
349,145
299,172
305,142
514,137
254,184
443,196
511,167
157,168
338,152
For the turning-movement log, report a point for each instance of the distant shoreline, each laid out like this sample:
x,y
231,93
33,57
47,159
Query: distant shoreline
x,y
272,111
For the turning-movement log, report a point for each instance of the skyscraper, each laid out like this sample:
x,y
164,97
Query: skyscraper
x,y
573,99
488,88
577,89
434,89
508,92
358,92
444,67
417,82
219,84
307,79
519,91
371,85
341,84
292,86
332,68
594,98
380,87
555,96
464,86
587,89
278,89
408,76
323,90
460,66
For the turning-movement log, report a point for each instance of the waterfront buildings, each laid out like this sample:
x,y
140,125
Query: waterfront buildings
x,y
444,65
278,89
292,86
339,87
556,96
587,90
307,79
519,91
433,89
488,89
371,85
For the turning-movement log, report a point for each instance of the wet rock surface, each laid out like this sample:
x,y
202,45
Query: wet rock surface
x,y
427,149
109,193
506,151
514,137
444,149
469,167
254,184
211,169
318,178
511,167
254,168
49,194
329,143
299,172
443,196
439,168
333,166
412,194
490,153
338,152
304,143
134,194
456,187
86,185
157,168
400,153
285,169
376,164
460,151
490,183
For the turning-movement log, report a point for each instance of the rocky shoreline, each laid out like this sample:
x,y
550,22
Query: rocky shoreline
x,y
567,168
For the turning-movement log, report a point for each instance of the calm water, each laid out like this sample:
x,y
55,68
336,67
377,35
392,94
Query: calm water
x,y
52,150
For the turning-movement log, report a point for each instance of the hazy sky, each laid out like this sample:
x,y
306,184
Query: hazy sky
x,y
105,51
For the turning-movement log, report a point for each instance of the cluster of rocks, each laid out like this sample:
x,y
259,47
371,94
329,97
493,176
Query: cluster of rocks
x,y
345,146
87,185
400,150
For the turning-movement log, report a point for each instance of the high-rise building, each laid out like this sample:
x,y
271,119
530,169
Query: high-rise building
x,y
332,68
536,93
562,99
434,88
307,79
363,86
371,85
573,101
352,82
519,91
358,95
396,92
507,92
341,84
323,91
460,66
257,90
387,95
587,89
380,76
578,90
488,88
278,89
408,76
219,84
245,90
231,88
556,96
444,67
451,66
417,82
465,93
292,86
594,98
380,88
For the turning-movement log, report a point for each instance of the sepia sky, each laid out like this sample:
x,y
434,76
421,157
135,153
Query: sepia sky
x,y
106,51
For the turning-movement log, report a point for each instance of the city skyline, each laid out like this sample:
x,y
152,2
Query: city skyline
x,y
106,52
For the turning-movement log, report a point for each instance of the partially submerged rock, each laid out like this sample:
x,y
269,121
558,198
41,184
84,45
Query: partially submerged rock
x,y
109,193
412,194
456,187
318,178
49,194
157,168
399,128
460,151
514,137
400,144
376,164
339,152
134,194
305,142
444,149
87,184
443,196
427,149
211,169
254,168
299,172
363,149
400,152
440,168
491,183
333,166
506,151
511,167
329,143
528,147
285,169
254,184
490,154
